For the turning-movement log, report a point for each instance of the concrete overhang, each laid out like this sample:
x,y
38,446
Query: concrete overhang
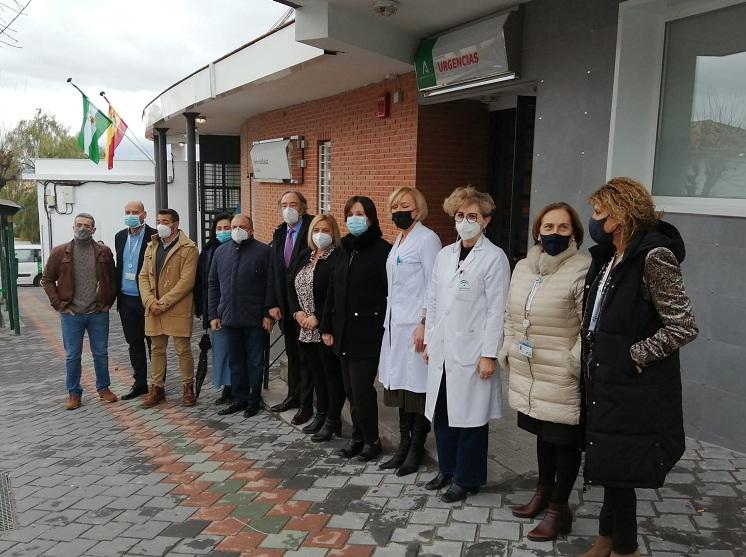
x,y
331,47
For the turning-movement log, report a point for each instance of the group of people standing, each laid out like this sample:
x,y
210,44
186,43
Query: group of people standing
x,y
591,344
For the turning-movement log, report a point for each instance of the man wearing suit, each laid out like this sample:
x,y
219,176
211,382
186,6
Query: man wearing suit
x,y
289,243
130,245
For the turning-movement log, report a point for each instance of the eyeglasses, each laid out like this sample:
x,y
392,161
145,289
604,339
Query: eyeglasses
x,y
470,217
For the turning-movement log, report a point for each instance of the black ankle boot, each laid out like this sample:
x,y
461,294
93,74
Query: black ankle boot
x,y
370,451
352,448
318,421
330,428
225,396
416,448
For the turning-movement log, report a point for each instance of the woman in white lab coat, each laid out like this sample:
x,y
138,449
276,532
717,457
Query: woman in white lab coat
x,y
463,334
401,369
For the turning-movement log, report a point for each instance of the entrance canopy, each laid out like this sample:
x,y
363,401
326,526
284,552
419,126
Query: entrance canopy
x,y
331,47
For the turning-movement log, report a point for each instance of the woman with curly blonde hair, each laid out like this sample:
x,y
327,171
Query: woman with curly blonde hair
x,y
636,318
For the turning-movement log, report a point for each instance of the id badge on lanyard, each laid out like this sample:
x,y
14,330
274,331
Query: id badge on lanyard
x,y
526,345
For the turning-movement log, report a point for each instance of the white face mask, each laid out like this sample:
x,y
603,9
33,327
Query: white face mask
x,y
468,230
290,215
322,240
164,231
239,235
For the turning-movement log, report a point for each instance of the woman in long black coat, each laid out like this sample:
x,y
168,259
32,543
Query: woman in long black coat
x,y
220,232
636,318
353,320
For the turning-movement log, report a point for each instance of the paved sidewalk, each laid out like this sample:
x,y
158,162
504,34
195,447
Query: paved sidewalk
x,y
120,480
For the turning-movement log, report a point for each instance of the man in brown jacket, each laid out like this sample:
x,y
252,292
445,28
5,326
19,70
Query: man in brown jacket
x,y
80,281
166,282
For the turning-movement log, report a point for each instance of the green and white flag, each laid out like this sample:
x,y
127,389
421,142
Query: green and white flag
x,y
94,125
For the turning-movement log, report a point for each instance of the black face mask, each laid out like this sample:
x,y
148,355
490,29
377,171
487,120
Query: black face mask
x,y
554,244
597,232
402,219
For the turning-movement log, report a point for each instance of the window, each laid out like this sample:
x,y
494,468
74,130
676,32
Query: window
x,y
325,177
27,255
701,147
220,191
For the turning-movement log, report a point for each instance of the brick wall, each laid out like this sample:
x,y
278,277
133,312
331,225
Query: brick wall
x,y
370,156
434,147
452,141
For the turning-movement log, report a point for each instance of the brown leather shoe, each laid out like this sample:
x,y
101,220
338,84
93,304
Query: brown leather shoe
x,y
538,503
188,398
558,520
106,395
301,417
155,396
73,402
601,548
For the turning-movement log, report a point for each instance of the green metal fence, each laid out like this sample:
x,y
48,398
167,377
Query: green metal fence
x,y
8,266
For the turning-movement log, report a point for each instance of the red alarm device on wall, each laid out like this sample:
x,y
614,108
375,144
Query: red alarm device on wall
x,y
383,105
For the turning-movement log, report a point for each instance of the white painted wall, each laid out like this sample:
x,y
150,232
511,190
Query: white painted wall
x,y
104,199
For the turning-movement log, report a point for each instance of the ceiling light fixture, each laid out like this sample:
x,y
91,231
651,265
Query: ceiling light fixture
x,y
200,119
385,8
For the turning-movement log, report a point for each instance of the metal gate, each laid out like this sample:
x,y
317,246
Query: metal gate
x,y
220,191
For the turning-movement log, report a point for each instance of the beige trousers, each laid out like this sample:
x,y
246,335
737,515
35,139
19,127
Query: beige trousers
x,y
183,348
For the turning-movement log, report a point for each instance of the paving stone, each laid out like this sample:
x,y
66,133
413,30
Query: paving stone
x,y
441,549
413,532
73,548
471,514
157,546
490,548
145,531
107,531
501,530
288,540
312,494
397,550
199,545
188,529
349,520
457,532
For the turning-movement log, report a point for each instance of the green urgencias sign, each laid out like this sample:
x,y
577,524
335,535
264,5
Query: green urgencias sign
x,y
471,52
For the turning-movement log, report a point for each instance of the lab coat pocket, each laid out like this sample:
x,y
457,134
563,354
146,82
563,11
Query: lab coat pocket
x,y
467,349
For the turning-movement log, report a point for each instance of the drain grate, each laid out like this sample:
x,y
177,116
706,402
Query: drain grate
x,y
8,519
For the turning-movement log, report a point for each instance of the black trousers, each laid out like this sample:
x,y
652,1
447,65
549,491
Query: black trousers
x,y
558,468
291,330
618,518
132,314
462,451
321,373
358,376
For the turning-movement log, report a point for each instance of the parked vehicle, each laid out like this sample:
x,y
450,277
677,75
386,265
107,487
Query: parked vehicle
x,y
29,264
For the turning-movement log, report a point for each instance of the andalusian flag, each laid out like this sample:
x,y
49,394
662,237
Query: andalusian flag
x,y
114,135
94,125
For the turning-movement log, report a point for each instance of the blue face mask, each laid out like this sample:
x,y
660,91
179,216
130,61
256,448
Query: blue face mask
x,y
357,224
132,221
554,244
223,236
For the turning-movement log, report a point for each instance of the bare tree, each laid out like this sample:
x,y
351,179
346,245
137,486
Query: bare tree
x,y
9,14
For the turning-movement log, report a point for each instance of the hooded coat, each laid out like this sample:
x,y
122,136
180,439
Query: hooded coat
x,y
634,427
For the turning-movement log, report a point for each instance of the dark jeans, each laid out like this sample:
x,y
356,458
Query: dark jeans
x,y
320,360
618,518
74,328
291,330
558,468
132,314
462,451
246,362
358,376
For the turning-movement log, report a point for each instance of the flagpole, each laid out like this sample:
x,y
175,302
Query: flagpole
x,y
127,132
70,81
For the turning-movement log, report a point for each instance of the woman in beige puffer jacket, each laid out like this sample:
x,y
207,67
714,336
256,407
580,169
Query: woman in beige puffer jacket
x,y
542,351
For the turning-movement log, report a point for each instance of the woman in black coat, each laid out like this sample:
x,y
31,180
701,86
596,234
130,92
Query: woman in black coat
x,y
309,282
636,318
220,232
353,320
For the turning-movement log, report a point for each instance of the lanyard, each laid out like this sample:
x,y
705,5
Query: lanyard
x,y
530,300
599,296
133,244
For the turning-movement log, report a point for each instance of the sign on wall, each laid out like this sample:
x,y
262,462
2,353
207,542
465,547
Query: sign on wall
x,y
479,51
270,160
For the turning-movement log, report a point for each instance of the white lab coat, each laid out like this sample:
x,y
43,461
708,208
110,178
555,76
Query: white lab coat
x,y
408,268
466,304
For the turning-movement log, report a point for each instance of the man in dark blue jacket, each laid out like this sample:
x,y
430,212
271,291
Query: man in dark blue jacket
x,y
130,244
240,295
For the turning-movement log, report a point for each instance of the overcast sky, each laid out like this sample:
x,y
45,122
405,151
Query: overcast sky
x,y
132,49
